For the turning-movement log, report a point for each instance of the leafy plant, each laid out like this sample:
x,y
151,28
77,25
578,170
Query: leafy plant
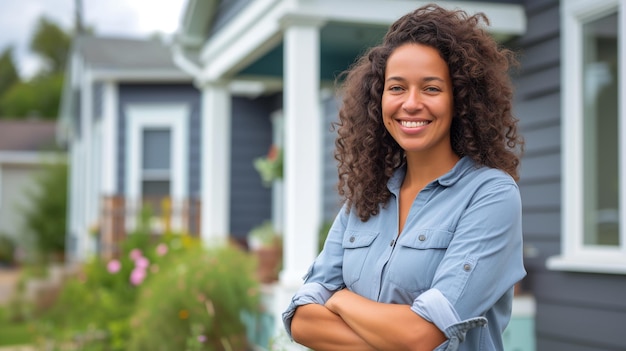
x,y
195,302
270,167
263,235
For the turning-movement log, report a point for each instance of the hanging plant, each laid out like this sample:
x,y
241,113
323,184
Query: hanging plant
x,y
270,167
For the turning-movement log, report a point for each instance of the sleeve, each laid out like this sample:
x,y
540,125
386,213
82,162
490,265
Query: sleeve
x,y
324,276
481,265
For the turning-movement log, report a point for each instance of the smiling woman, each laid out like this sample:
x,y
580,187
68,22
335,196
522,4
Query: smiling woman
x,y
428,246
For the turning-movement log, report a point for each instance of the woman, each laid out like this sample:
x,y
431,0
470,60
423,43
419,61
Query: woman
x,y
427,249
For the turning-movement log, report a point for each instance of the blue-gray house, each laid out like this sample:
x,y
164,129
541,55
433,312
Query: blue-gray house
x,y
133,124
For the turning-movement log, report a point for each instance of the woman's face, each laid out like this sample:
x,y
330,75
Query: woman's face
x,y
417,101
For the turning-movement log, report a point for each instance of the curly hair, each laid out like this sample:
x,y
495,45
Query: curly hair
x,y
483,126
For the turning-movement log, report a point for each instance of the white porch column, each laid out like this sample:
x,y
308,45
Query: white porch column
x,y
109,142
215,174
303,160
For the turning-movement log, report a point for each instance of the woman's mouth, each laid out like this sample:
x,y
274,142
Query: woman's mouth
x,y
414,124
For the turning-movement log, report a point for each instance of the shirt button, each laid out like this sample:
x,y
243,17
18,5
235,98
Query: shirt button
x,y
467,267
391,243
351,239
422,237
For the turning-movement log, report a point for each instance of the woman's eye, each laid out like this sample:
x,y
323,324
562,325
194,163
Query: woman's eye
x,y
395,88
432,89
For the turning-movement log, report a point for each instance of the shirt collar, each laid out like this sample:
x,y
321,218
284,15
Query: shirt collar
x,y
448,179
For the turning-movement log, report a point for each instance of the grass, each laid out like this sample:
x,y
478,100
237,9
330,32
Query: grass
x,y
14,333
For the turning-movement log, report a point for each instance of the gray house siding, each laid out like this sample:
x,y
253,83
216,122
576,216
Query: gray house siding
x,y
574,311
161,93
330,199
251,202
97,100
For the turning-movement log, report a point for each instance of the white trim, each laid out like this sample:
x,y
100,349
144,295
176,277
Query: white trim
x,y
121,75
25,157
173,116
216,162
575,256
109,137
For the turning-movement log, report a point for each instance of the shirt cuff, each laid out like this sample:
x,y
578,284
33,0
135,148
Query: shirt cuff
x,y
307,294
435,308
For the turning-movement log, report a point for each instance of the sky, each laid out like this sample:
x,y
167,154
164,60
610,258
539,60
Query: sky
x,y
127,18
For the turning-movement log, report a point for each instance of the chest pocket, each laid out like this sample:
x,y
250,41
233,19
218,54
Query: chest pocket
x,y
356,247
416,259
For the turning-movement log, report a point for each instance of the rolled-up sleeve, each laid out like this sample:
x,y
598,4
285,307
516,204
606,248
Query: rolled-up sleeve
x,y
435,308
307,294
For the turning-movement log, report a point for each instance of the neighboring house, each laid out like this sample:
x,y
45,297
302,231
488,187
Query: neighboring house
x,y
295,48
133,125
25,145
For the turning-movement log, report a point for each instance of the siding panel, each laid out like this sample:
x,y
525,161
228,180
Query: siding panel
x,y
540,111
331,200
541,196
251,202
579,325
547,139
543,166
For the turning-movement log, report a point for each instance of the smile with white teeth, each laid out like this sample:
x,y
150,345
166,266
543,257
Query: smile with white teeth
x,y
414,124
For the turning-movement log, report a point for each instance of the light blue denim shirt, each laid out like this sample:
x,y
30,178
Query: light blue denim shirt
x,y
455,262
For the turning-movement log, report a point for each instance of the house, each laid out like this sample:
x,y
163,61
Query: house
x,y
25,145
132,122
294,49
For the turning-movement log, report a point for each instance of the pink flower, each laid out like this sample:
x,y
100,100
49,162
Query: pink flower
x,y
142,263
114,266
161,249
135,254
202,338
137,276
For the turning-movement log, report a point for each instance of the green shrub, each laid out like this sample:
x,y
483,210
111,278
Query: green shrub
x,y
95,305
7,250
195,302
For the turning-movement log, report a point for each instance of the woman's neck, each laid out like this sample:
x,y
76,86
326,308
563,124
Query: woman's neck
x,y
423,168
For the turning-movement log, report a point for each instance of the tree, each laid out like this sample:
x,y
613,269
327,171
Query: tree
x,y
39,97
45,217
8,73
52,44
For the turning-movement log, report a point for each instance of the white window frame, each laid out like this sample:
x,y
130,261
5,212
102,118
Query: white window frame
x,y
575,255
145,116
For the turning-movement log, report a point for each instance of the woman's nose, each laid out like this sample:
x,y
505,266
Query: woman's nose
x,y
413,101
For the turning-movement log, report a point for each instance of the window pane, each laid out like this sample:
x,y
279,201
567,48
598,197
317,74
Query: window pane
x,y
156,149
155,188
601,158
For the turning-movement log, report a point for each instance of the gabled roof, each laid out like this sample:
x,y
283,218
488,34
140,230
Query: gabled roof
x,y
124,53
27,135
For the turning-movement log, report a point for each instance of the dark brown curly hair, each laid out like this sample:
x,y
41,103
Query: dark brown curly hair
x,y
483,127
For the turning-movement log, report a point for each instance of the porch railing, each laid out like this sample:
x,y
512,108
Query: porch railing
x,y
120,216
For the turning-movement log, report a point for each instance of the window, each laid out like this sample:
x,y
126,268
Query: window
x,y
155,162
594,138
157,141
